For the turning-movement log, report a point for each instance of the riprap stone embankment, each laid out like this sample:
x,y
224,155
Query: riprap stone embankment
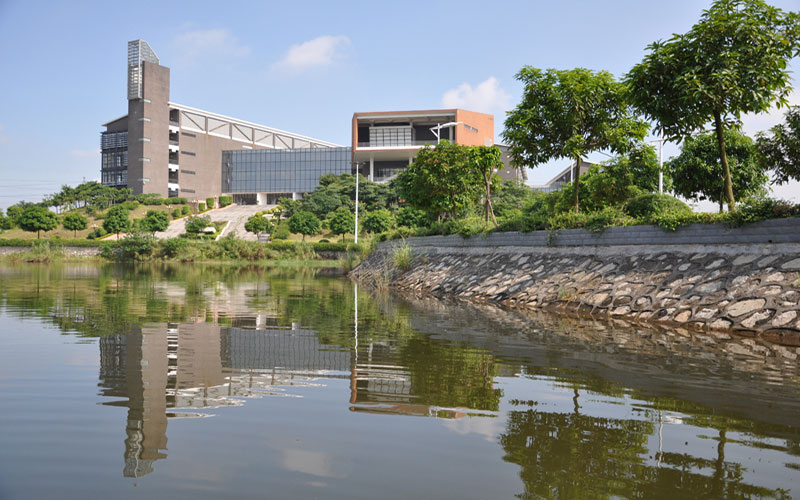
x,y
709,277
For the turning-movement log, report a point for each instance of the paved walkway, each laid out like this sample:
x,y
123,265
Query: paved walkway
x,y
236,214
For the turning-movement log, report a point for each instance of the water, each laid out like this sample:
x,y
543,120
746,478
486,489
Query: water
x,y
216,382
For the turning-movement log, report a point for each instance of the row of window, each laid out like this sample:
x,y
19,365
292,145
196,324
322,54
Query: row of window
x,y
281,171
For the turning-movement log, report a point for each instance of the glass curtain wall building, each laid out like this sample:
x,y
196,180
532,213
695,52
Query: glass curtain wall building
x,y
266,175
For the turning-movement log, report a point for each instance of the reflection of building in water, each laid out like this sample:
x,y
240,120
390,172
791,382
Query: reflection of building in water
x,y
199,366
176,370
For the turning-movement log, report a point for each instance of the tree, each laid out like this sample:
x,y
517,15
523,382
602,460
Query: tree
x,y
568,114
5,222
781,151
37,218
258,224
697,172
733,61
304,223
411,217
485,160
117,221
155,221
196,224
441,181
342,222
75,222
378,221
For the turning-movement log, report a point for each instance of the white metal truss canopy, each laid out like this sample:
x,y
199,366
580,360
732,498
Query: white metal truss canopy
x,y
197,120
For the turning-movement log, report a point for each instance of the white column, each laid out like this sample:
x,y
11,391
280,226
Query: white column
x,y
371,168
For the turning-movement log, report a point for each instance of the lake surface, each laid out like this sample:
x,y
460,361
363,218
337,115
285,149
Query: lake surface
x,y
221,382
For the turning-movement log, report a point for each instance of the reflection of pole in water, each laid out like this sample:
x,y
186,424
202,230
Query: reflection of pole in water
x,y
660,439
354,359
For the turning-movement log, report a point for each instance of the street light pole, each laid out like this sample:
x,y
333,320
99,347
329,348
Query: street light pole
x,y
356,229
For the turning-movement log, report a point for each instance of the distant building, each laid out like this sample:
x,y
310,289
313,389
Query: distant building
x,y
174,150
386,142
563,177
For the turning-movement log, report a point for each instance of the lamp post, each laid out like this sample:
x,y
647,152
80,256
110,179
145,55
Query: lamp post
x,y
356,228
660,142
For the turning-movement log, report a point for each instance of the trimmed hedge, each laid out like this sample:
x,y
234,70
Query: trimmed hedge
x,y
224,201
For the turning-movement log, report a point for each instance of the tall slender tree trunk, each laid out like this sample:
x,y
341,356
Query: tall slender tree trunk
x,y
723,156
489,209
575,186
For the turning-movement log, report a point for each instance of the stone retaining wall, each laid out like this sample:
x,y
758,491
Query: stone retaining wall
x,y
745,279
68,251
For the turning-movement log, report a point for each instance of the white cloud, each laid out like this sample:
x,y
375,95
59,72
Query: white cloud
x,y
486,97
85,153
761,122
322,51
202,45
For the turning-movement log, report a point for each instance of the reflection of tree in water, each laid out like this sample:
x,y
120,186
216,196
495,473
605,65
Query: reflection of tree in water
x,y
575,456
450,374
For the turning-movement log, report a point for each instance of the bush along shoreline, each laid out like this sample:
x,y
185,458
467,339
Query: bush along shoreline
x,y
145,248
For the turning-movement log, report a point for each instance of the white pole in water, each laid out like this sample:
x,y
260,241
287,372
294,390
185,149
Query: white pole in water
x,y
356,231
355,325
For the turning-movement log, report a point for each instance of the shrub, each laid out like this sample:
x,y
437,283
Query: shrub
x,y
647,205
134,247
196,224
224,201
172,247
97,233
282,231
177,213
178,201
91,210
201,207
130,205
210,203
411,217
186,210
258,224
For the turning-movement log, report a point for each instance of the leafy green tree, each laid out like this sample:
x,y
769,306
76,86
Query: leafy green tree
x,y
117,221
75,222
5,222
196,224
288,207
733,61
781,151
441,181
322,201
378,221
568,114
258,224
155,221
14,212
511,196
342,222
485,160
697,173
304,223
37,218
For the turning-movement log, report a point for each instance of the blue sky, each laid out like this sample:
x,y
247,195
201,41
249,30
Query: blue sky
x,y
299,66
